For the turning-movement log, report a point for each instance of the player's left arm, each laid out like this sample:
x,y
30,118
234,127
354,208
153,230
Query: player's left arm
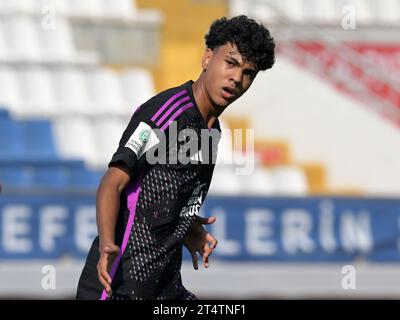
x,y
199,240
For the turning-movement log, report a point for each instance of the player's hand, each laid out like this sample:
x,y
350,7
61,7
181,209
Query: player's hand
x,y
107,257
199,240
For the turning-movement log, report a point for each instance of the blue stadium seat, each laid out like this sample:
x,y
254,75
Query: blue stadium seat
x,y
13,177
28,158
85,178
38,141
4,113
50,177
10,139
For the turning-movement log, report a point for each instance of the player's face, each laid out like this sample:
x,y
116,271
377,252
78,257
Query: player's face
x,y
227,75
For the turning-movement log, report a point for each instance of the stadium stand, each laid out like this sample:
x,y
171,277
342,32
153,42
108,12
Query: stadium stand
x,y
29,158
88,100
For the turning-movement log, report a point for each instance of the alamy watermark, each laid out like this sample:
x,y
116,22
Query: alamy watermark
x,y
48,21
349,279
49,277
189,146
349,18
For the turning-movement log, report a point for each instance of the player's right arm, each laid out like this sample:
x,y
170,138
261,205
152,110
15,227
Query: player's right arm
x,y
107,208
125,163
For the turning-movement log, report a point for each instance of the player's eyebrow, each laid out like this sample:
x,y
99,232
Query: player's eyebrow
x,y
253,71
236,62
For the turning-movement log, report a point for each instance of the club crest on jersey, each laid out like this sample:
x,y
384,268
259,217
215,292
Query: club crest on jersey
x,y
142,139
196,200
144,135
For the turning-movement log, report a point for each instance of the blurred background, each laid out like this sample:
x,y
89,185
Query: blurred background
x,y
317,217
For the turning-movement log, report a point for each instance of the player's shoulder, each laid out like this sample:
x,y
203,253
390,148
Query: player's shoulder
x,y
169,94
167,105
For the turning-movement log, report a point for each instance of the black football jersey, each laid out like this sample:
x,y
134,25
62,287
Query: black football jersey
x,y
169,152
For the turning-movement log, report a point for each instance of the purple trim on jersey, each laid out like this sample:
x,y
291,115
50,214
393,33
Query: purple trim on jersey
x,y
176,114
166,104
133,191
179,102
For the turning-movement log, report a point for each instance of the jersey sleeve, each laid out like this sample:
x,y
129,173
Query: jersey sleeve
x,y
149,129
139,137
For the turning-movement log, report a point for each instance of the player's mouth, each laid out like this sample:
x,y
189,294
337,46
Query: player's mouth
x,y
228,93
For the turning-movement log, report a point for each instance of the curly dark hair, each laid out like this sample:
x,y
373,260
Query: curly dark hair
x,y
252,39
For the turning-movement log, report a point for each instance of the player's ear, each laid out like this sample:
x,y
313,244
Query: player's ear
x,y
206,58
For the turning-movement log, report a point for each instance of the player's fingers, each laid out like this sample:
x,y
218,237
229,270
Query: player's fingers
x,y
200,251
206,252
211,220
105,276
103,281
208,249
105,285
203,220
205,261
102,269
213,242
109,293
194,260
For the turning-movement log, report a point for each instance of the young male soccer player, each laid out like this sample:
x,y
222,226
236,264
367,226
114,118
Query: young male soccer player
x,y
147,210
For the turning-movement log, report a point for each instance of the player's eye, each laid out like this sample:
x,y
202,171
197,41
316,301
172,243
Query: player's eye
x,y
229,62
250,75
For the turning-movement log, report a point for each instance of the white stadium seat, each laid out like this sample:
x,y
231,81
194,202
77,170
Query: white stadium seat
x,y
100,8
49,6
225,181
389,12
4,50
263,12
365,10
75,139
57,43
289,180
137,86
71,91
10,93
22,37
237,7
292,9
321,11
18,6
86,8
4,6
37,91
107,133
260,182
105,91
119,8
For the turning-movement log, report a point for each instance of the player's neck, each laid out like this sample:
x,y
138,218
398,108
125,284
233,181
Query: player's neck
x,y
203,101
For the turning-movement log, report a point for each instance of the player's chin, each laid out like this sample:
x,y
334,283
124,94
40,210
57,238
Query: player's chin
x,y
221,104
224,102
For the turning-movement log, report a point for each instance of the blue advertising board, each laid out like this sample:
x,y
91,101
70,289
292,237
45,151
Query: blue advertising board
x,y
273,229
